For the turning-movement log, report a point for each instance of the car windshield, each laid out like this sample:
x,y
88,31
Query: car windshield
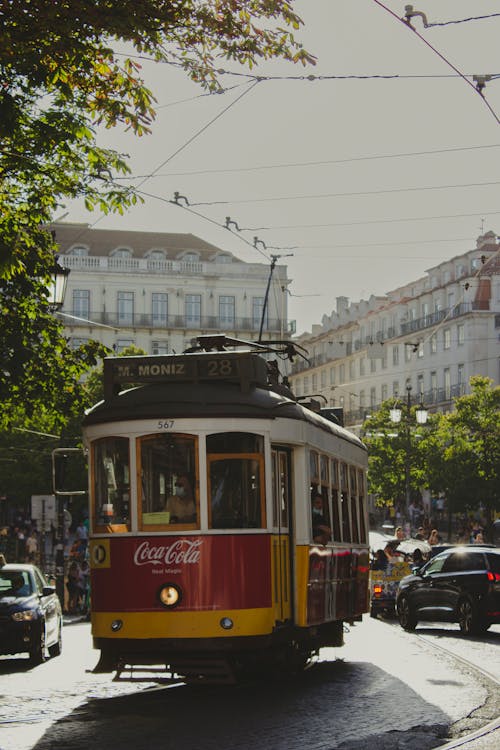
x,y
14,583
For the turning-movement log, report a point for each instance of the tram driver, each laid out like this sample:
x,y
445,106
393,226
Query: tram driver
x,y
181,505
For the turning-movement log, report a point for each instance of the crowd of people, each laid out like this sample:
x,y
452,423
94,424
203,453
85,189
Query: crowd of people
x,y
22,542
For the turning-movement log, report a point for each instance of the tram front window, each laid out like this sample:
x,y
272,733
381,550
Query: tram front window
x,y
235,463
111,472
168,481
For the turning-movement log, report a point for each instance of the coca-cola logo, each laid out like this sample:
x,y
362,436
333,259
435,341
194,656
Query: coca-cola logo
x,y
180,551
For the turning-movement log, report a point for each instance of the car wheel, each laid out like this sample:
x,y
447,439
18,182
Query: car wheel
x,y
406,615
37,646
469,619
56,648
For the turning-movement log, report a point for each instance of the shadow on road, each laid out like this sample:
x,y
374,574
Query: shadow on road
x,y
333,705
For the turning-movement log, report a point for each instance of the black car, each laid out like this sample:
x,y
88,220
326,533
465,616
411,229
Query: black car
x,y
30,613
460,584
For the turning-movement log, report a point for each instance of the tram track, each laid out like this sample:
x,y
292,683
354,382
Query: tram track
x,y
488,735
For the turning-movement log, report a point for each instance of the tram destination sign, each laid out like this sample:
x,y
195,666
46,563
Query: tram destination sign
x,y
244,368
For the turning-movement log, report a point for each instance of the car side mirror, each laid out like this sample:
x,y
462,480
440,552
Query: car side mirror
x,y
48,590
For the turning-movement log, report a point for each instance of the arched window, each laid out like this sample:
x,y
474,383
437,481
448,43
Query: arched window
x,y
80,251
121,252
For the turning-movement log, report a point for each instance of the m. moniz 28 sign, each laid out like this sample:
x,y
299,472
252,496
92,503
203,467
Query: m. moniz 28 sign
x,y
245,368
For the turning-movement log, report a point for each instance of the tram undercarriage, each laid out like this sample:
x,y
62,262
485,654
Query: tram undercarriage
x,y
287,651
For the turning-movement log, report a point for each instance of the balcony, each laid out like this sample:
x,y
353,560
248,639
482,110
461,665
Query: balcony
x,y
173,322
436,317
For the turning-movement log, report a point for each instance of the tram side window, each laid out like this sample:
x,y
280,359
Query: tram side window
x,y
168,486
362,507
236,480
334,478
354,504
111,481
344,503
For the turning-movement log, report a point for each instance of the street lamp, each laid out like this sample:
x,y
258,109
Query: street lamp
x,y
396,414
57,288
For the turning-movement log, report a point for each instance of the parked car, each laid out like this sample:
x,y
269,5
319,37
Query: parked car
x,y
30,613
459,584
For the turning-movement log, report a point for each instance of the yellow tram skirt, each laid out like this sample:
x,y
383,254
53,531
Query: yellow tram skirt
x,y
144,625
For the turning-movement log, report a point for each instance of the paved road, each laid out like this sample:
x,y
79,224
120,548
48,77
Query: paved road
x,y
386,690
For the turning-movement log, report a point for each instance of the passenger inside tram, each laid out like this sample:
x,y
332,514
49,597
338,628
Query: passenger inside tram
x,y
181,505
321,530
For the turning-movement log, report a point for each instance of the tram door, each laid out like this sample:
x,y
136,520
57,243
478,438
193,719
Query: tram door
x,y
281,547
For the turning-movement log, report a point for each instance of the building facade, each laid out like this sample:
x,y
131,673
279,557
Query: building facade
x,y
157,291
430,335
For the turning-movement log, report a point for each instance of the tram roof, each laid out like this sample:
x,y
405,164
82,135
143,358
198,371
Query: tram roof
x,y
213,384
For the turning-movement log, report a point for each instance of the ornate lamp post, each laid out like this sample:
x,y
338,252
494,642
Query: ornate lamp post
x,y
396,414
57,288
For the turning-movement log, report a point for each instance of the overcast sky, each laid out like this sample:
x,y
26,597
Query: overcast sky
x,y
333,170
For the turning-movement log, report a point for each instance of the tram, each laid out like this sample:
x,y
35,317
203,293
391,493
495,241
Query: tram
x,y
228,519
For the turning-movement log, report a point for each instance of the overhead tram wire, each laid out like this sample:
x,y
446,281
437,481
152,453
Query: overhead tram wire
x,y
323,162
441,56
351,194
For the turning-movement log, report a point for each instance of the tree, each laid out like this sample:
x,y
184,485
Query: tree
x,y
61,79
392,451
463,453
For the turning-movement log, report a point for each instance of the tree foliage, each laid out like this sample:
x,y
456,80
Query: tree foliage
x,y
394,449
63,76
463,453
457,454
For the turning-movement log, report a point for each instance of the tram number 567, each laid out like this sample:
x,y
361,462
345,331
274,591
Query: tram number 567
x,y
165,424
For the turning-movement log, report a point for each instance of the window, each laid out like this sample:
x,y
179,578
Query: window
x,y
81,303
433,343
342,374
122,344
362,366
159,305
373,397
76,341
461,379
323,378
80,251
306,385
168,481
257,309
227,311
434,386
315,382
408,351
352,372
461,562
235,463
446,338
122,252
125,308
384,392
332,375
344,503
334,480
159,347
461,335
111,483
395,388
447,383
193,310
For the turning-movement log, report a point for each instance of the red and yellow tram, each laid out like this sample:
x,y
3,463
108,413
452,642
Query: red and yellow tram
x,y
206,556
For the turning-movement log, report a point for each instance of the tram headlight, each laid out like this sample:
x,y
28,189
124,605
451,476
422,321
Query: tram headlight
x,y
116,625
226,623
170,595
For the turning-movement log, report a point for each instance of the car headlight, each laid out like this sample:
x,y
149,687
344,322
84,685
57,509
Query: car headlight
x,y
24,616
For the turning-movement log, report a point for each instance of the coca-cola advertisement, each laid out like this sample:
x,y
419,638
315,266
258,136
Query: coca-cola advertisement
x,y
214,572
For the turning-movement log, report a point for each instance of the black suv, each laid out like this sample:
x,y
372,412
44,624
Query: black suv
x,y
460,584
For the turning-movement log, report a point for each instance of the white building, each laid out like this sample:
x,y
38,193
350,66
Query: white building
x,y
432,335
158,291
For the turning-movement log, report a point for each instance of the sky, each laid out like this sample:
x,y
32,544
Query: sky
x,y
382,166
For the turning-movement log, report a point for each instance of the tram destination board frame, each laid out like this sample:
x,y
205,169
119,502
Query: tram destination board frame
x,y
244,368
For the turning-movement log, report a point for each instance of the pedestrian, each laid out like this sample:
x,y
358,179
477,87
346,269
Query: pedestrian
x,y
31,547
